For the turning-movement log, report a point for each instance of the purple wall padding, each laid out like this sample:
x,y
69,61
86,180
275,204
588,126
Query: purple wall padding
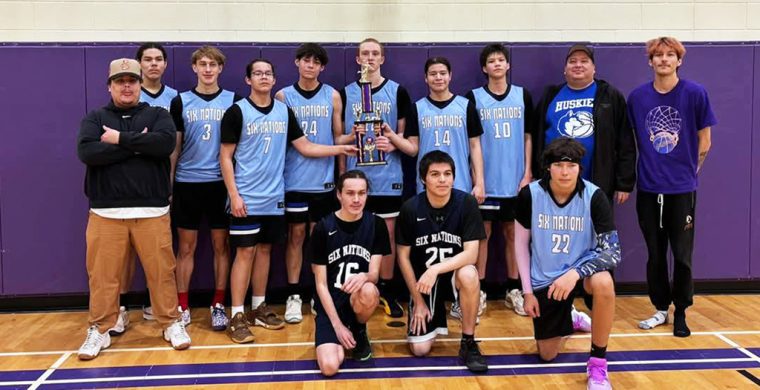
x,y
754,212
43,210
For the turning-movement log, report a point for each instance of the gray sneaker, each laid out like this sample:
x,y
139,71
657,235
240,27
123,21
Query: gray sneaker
x,y
219,320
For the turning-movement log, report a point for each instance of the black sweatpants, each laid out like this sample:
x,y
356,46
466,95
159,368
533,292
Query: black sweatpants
x,y
668,219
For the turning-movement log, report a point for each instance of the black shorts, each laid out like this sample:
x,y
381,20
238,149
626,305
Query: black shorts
x,y
324,333
384,206
556,318
256,229
498,209
303,207
443,290
192,201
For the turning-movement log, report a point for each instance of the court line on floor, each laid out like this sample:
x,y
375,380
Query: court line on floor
x,y
741,349
45,381
380,341
49,371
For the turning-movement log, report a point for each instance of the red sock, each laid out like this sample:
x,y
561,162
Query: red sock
x,y
218,297
182,300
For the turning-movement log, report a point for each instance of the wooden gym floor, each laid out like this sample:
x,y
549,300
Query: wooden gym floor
x,y
38,350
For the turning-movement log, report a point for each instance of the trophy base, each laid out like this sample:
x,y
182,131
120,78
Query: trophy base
x,y
369,164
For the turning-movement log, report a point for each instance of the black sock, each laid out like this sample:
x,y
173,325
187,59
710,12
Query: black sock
x,y
598,352
468,338
680,329
123,299
513,284
384,286
293,289
483,285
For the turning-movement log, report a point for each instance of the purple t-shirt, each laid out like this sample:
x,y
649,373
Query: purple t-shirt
x,y
666,128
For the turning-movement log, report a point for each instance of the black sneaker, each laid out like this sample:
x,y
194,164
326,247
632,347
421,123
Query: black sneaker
x,y
363,350
391,307
469,354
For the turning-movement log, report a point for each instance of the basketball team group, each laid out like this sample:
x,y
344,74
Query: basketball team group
x,y
288,166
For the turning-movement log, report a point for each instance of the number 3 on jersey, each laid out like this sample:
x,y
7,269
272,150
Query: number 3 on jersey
x,y
345,271
206,132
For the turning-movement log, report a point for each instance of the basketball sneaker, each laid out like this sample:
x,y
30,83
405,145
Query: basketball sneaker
x,y
483,303
122,322
456,312
293,309
264,317
177,335
515,301
391,307
148,313
363,349
93,344
184,315
581,321
219,320
596,369
470,356
238,329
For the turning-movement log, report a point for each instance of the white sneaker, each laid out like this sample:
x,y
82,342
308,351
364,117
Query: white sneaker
x,y
456,312
148,313
121,322
184,315
483,303
93,344
581,321
293,309
515,301
177,335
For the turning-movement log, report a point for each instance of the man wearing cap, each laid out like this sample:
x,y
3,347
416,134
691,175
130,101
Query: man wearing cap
x,y
594,113
126,147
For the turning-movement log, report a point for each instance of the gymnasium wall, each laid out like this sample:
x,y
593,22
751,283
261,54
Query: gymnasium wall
x,y
47,89
388,20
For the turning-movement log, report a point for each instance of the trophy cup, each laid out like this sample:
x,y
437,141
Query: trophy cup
x,y
369,126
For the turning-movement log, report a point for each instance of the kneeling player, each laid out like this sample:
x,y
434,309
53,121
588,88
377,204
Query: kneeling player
x,y
346,250
565,233
437,237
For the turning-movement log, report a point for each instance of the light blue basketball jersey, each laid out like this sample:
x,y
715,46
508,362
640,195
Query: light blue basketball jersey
x,y
385,180
260,158
445,129
163,99
560,236
315,119
199,160
503,140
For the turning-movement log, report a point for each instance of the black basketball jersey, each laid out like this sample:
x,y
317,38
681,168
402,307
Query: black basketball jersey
x,y
348,253
437,233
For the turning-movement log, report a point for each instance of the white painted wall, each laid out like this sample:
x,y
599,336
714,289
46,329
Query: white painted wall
x,y
387,20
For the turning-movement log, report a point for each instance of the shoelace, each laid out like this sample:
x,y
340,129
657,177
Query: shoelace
x,y
93,337
598,374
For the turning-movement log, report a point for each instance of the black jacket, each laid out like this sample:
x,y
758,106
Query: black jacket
x,y
614,160
134,173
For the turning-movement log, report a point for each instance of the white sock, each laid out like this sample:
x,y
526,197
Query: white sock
x,y
657,319
256,301
238,309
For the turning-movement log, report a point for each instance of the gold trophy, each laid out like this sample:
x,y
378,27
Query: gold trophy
x,y
369,126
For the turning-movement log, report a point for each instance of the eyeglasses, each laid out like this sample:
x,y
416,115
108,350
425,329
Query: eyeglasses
x,y
262,74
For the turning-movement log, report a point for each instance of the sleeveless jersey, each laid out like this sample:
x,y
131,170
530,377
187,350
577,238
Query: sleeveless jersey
x,y
433,242
560,236
199,160
349,254
445,129
315,118
260,158
385,180
163,99
503,140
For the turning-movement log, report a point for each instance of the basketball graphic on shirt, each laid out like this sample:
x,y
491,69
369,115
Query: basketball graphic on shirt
x,y
576,124
663,124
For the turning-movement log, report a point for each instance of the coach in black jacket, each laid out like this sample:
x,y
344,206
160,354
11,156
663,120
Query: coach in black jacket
x,y
613,159
126,147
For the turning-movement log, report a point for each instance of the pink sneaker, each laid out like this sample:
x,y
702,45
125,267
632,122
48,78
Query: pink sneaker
x,y
581,321
596,369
